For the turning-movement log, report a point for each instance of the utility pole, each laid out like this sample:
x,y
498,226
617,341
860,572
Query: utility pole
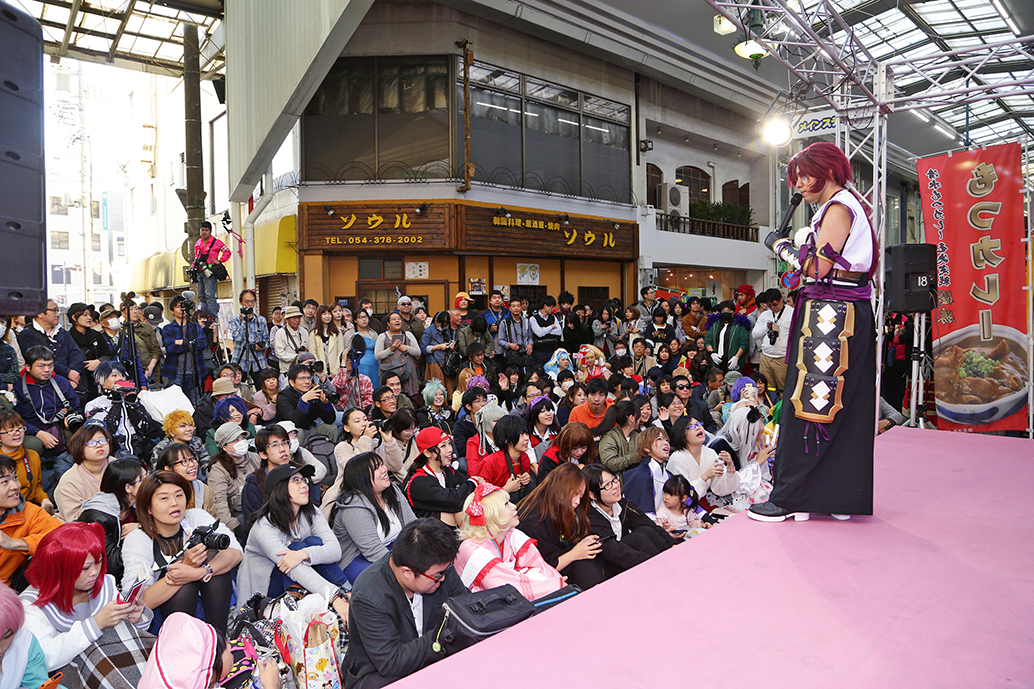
x,y
193,197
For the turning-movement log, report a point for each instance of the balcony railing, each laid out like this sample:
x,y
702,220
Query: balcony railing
x,y
707,228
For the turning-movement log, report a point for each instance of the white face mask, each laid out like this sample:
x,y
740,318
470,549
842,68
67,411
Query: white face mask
x,y
240,447
620,352
369,312
294,445
114,323
566,385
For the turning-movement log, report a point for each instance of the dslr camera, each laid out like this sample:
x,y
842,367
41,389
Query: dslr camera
x,y
209,537
72,419
773,334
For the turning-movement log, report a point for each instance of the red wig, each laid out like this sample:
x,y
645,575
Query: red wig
x,y
822,162
59,561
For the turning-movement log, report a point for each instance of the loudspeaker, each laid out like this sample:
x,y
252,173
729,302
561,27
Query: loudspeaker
x,y
220,89
23,231
911,284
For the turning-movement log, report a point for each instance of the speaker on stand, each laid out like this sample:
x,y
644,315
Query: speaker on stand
x,y
23,230
911,287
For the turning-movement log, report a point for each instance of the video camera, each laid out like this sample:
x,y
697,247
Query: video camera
x,y
123,390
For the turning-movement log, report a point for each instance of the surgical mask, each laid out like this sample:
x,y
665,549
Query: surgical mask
x,y
114,323
294,445
240,447
566,385
369,312
620,352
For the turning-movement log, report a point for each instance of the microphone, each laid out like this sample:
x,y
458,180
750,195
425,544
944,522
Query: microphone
x,y
189,294
778,240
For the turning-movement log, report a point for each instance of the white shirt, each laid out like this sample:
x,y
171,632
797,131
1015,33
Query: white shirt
x,y
760,332
858,248
615,519
394,527
660,475
416,606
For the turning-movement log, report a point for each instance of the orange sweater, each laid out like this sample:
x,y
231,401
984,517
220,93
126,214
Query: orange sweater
x,y
583,414
32,491
30,525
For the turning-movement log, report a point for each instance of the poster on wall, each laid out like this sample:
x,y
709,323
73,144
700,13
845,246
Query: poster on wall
x,y
973,210
527,273
417,270
505,289
476,286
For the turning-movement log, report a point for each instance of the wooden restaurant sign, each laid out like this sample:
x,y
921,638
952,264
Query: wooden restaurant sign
x,y
376,227
488,229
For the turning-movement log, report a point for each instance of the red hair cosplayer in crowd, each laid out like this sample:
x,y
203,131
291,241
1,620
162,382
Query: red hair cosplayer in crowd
x,y
72,600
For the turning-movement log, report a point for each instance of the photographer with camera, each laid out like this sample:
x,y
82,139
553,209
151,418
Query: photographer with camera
x,y
134,429
208,269
306,404
50,407
194,553
290,339
773,332
185,342
248,332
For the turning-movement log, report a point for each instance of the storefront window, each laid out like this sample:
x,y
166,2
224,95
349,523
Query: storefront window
x,y
551,149
701,281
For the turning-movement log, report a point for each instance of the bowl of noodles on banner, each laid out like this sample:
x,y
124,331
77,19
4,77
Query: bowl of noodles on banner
x,y
976,382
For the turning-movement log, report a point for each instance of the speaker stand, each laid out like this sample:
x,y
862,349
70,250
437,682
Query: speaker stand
x,y
917,407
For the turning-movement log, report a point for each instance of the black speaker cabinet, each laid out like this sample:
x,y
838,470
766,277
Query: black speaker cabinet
x,y
23,230
911,284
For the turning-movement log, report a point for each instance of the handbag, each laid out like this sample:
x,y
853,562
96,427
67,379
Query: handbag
x,y
219,271
453,363
471,617
321,666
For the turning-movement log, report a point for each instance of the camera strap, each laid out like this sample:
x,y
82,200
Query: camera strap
x,y
60,396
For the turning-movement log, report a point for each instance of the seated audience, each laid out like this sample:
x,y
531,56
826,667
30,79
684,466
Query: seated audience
x,y
24,663
617,445
542,421
72,599
510,466
483,444
27,462
265,396
359,436
133,429
627,536
90,448
435,411
591,412
396,612
644,481
232,409
274,449
182,576
681,510
22,526
711,474
227,471
556,516
44,399
369,514
433,487
385,403
304,404
190,654
404,427
574,444
670,408
494,552
205,410
353,388
179,428
290,543
114,508
180,460
464,429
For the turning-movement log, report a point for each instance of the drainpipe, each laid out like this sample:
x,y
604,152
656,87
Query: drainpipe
x,y
249,227
714,181
236,262
468,60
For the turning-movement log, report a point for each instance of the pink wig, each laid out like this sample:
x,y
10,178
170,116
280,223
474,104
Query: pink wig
x,y
59,561
12,614
822,162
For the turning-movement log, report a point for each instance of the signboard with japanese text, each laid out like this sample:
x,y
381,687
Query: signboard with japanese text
x,y
490,230
376,227
973,212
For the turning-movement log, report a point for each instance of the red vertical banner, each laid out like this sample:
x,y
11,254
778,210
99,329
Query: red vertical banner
x,y
973,212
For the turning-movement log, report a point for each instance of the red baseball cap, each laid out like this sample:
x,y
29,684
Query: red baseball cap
x,y
430,437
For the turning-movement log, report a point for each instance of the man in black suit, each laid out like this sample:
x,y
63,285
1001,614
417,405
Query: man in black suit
x,y
396,609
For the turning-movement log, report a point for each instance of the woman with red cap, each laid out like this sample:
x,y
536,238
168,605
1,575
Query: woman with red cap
x,y
495,552
433,487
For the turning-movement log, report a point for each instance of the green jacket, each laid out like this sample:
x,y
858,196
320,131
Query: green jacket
x,y
737,338
616,453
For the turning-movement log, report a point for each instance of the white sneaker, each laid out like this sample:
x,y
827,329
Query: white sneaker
x,y
841,517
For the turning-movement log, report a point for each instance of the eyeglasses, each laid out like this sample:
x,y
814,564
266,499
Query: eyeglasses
x,y
277,445
303,378
13,431
694,426
682,386
49,310
438,578
97,443
298,478
610,484
189,460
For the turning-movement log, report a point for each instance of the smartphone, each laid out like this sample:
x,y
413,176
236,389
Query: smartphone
x,y
678,532
133,593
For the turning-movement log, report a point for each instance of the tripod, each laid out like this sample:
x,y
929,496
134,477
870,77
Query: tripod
x,y
130,359
917,407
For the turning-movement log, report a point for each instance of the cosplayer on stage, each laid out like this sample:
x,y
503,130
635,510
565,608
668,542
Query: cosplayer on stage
x,y
823,463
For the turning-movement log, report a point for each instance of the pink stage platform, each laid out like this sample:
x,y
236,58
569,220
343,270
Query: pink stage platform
x,y
936,590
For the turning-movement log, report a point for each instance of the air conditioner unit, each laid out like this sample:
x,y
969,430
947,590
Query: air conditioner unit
x,y
674,200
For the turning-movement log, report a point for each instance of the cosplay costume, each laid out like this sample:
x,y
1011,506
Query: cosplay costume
x,y
824,461
484,566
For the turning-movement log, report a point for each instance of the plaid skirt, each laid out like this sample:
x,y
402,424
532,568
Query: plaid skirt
x,y
116,661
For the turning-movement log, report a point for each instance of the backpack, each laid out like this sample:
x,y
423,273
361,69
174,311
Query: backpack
x,y
322,448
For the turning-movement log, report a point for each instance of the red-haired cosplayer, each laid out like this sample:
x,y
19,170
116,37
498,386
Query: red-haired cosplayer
x,y
824,460
72,599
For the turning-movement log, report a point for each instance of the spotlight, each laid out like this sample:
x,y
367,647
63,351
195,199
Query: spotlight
x,y
686,139
329,209
658,131
503,212
776,131
421,208
564,219
617,226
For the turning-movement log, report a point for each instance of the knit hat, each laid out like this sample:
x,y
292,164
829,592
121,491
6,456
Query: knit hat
x,y
227,433
430,437
77,308
404,300
223,386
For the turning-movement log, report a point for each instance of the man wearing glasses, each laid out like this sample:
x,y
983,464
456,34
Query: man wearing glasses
x,y
396,612
45,331
47,402
305,404
273,445
697,408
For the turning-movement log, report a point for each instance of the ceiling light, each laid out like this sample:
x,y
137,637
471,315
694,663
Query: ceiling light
x,y
748,48
1005,16
776,131
723,26
942,130
658,131
920,115
715,147
686,139
329,209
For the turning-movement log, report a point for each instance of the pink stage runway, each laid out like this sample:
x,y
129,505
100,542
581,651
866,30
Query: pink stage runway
x,y
936,590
